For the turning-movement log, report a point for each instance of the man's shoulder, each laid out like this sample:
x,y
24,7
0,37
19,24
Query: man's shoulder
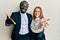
x,y
29,14
15,12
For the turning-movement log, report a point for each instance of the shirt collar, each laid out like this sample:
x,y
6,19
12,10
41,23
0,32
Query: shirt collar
x,y
22,13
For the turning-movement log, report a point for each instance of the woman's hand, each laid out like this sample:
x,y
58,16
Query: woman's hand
x,y
45,23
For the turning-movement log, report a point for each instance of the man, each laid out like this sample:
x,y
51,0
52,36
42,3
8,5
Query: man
x,y
21,21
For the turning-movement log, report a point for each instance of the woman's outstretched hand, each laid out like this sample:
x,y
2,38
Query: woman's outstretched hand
x,y
45,22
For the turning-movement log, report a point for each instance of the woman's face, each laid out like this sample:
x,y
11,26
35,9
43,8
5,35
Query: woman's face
x,y
37,12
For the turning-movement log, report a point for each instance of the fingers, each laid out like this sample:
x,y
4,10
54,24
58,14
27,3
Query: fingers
x,y
45,23
13,21
48,19
8,17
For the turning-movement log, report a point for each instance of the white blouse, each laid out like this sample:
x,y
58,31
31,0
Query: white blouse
x,y
36,25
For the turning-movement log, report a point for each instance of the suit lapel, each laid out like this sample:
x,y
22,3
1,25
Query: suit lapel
x,y
19,19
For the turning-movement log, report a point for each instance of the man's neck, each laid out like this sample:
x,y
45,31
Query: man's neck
x,y
22,13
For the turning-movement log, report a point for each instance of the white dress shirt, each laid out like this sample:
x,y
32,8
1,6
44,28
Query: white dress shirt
x,y
24,24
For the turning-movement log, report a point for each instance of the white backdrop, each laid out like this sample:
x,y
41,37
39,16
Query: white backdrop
x,y
51,9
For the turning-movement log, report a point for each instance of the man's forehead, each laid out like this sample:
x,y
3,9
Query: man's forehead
x,y
25,3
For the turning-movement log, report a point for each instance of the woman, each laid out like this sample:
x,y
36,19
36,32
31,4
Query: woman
x,y
38,24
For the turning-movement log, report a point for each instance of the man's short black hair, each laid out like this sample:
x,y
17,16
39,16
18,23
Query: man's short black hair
x,y
23,2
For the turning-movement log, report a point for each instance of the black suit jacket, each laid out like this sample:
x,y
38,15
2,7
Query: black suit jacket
x,y
16,16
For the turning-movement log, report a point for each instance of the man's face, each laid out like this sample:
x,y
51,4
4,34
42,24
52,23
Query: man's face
x,y
24,8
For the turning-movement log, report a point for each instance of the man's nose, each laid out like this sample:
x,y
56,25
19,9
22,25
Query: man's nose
x,y
24,7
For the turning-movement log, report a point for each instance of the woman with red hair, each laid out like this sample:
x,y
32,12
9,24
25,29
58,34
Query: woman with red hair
x,y
38,24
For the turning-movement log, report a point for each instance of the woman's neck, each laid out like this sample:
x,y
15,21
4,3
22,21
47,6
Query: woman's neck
x,y
37,18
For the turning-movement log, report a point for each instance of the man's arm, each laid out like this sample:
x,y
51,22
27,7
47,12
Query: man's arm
x,y
10,20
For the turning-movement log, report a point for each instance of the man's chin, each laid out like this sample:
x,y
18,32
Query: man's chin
x,y
23,12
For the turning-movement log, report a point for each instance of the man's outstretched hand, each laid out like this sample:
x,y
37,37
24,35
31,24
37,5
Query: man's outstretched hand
x,y
10,20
